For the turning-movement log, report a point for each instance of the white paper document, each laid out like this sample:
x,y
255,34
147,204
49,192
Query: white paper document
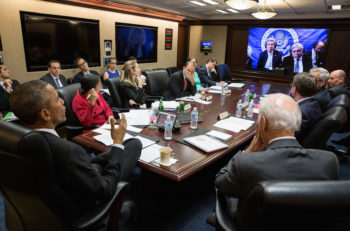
x,y
205,143
107,140
212,91
168,105
108,127
138,117
234,124
236,85
145,142
150,153
219,135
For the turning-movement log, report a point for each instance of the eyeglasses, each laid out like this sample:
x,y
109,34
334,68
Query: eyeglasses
x,y
112,63
82,63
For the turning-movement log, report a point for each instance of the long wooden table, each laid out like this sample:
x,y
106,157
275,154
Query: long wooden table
x,y
190,159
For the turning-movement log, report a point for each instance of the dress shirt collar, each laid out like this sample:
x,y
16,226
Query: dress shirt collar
x,y
282,138
54,77
303,99
3,85
300,59
85,73
52,131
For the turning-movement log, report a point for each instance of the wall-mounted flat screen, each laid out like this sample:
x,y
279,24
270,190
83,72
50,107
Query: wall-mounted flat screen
x,y
292,49
48,37
206,46
137,41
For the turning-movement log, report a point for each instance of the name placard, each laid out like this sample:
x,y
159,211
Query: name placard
x,y
223,115
187,107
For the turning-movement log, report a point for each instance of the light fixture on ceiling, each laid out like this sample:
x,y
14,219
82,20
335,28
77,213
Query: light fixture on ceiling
x,y
221,11
241,4
211,2
264,13
233,11
198,3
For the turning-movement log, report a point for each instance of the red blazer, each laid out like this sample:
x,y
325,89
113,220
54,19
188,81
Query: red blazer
x,y
91,115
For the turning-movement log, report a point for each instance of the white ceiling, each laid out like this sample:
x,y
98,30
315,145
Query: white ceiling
x,y
287,9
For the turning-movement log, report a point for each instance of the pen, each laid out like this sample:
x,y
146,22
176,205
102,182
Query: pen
x,y
88,96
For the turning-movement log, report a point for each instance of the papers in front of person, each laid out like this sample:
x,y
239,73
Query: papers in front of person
x,y
108,127
150,153
107,140
234,124
236,85
138,117
168,105
220,135
215,90
205,143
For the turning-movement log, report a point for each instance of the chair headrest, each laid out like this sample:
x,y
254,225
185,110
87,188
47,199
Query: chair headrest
x,y
11,136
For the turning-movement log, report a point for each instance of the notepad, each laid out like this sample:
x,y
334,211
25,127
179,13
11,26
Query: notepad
x,y
205,143
220,135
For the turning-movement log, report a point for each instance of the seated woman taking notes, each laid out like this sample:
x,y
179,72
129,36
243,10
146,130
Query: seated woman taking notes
x,y
131,88
89,105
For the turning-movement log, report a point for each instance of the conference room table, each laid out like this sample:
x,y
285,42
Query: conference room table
x,y
190,159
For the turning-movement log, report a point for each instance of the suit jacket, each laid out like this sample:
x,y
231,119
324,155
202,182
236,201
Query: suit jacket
x,y
206,80
80,75
288,64
323,98
276,59
311,113
338,90
84,179
283,159
129,92
5,97
176,85
319,58
48,78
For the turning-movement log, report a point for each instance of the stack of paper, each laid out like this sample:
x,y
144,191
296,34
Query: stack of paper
x,y
215,90
220,135
168,105
138,117
150,153
205,143
234,124
236,85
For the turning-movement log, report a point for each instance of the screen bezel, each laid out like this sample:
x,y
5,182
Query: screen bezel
x,y
211,47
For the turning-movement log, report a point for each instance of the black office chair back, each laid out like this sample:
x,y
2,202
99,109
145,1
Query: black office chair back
x,y
333,120
341,101
26,165
157,82
113,85
225,72
68,93
171,70
297,205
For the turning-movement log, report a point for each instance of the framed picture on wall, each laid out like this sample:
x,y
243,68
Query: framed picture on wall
x,y
168,39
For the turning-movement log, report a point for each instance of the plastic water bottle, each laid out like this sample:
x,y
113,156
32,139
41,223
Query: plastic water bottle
x,y
223,90
246,96
168,129
250,109
194,118
239,108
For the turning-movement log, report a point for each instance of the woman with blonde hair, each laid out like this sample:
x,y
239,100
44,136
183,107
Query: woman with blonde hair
x,y
131,85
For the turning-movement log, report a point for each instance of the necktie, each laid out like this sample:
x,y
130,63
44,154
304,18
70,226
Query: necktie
x,y
185,85
57,83
296,68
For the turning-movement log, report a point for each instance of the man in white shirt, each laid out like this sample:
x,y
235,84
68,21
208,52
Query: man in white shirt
x,y
317,54
54,76
7,85
270,58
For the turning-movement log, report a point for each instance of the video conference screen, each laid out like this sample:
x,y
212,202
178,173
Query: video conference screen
x,y
292,49
206,46
136,40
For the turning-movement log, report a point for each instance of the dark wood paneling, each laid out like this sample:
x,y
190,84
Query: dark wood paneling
x,y
182,45
237,47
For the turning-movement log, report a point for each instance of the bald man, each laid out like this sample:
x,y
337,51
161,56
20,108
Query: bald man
x,y
336,83
274,154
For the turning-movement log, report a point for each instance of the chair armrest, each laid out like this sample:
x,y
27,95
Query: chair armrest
x,y
222,217
98,214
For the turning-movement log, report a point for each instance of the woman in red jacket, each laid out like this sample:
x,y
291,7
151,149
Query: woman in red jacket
x,y
89,105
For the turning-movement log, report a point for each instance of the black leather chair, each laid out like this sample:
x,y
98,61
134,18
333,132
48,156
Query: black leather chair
x,y
113,86
290,205
157,82
333,120
33,198
171,70
341,101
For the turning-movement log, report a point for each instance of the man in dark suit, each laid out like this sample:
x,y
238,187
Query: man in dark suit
x,y
181,83
322,95
336,83
208,75
316,55
85,180
270,58
273,154
84,69
296,62
6,88
54,76
303,88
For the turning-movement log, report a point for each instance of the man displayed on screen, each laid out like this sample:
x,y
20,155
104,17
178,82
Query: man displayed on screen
x,y
316,55
297,62
270,58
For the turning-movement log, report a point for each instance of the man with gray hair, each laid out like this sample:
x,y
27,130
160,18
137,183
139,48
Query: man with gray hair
x,y
322,95
336,83
303,88
273,154
296,62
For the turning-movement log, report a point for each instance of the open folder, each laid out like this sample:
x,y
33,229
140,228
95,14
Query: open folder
x,y
205,143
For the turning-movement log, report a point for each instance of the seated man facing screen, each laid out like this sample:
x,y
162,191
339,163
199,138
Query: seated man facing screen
x,y
54,76
336,83
181,83
89,105
274,154
7,86
86,180
83,66
208,74
303,89
322,95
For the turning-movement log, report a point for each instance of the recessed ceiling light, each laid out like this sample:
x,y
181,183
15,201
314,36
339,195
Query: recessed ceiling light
x,y
233,11
210,2
336,7
221,11
198,3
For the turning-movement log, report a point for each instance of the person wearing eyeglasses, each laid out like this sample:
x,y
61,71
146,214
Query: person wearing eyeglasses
x,y
83,66
111,71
